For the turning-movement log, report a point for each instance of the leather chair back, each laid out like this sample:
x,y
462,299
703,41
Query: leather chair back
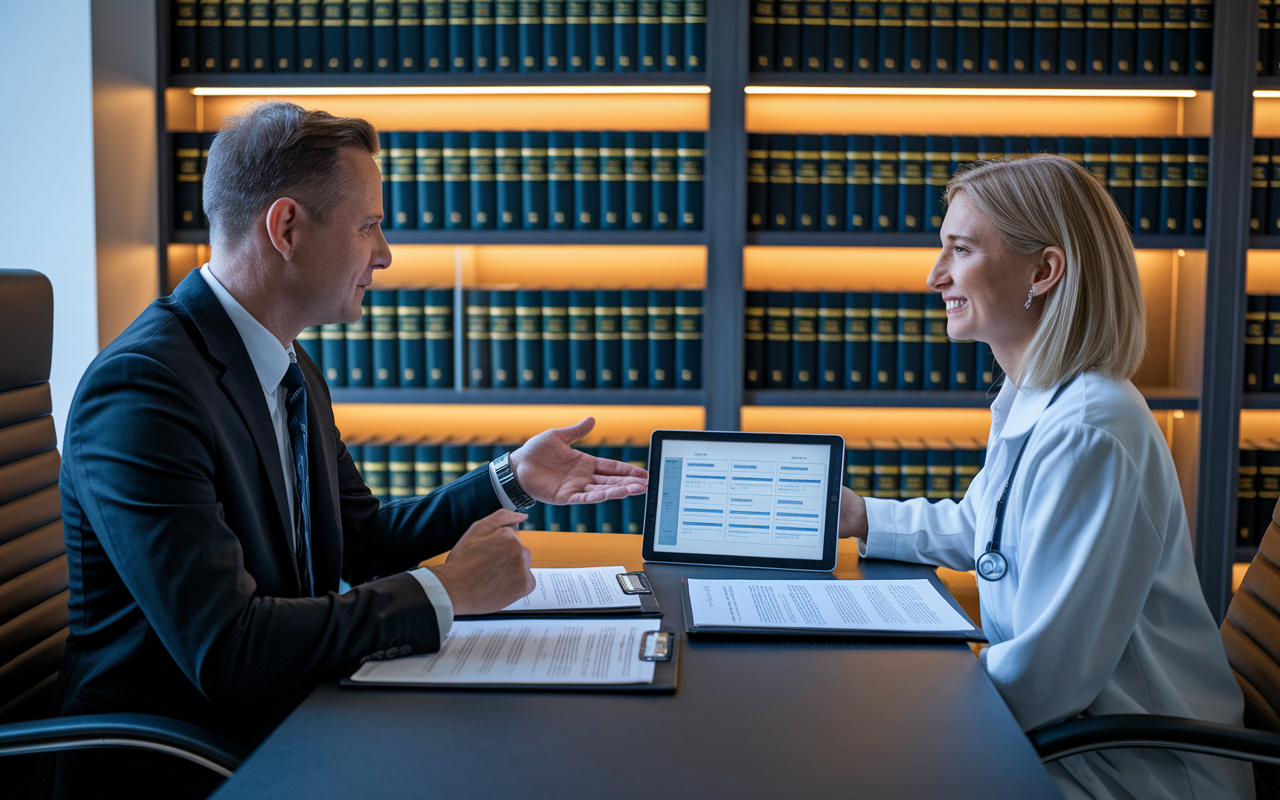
x,y
33,562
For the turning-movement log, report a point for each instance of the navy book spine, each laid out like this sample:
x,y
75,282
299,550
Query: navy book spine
x,y
600,32
663,168
1097,37
555,339
1268,489
787,37
1200,37
1271,223
940,472
1019,145
764,31
479,355
453,463
1255,325
753,346
435,36
235,32
457,180
188,184
529,36
963,360
1174,43
1097,157
411,353
1197,183
915,36
284,35
609,513
807,173
661,328
639,194
426,469
633,506
309,339
608,338
560,180
506,36
804,340
556,517
695,34
889,36
1150,35
782,147
384,35
502,338
625,43
1266,30
1071,37
400,470
404,184
1045,35
937,172
577,36
911,188
1258,215
936,372
554,45
635,335
1019,58
688,322
995,35
1272,359
830,355
333,36
884,183
459,35
359,36
777,355
1173,185
1124,37
857,340
586,180
832,200
359,347
374,471
334,349
886,471
1120,179
309,56
968,462
529,364
884,340
1072,148
507,165
613,200
183,37
912,460
429,178
942,36
386,360
987,371
910,356
839,36
384,170
649,35
866,20
533,178
258,37
813,36
858,183
582,354
437,329
1146,185
209,37
858,467
482,44
691,158
409,35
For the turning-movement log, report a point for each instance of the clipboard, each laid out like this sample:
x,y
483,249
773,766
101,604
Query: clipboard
x,y
635,583
733,632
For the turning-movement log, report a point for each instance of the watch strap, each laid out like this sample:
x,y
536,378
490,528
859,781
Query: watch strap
x,y
507,480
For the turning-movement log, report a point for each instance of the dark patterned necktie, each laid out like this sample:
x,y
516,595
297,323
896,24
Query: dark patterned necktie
x,y
295,401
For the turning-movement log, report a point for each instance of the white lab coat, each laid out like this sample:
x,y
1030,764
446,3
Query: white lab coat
x,y
1101,611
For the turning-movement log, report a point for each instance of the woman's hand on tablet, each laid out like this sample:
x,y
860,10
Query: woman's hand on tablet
x,y
853,515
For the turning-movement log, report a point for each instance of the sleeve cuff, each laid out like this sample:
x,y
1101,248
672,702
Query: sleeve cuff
x,y
439,598
880,525
498,490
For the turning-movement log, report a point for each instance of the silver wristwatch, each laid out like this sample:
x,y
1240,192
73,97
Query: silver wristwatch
x,y
507,480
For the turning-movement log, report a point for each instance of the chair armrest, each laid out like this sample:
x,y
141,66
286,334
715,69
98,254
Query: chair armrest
x,y
1086,734
145,731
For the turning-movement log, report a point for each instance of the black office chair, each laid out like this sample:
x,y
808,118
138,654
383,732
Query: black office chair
x,y
33,567
1251,634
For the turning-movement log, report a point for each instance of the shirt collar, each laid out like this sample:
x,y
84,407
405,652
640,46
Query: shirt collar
x,y
270,360
1016,410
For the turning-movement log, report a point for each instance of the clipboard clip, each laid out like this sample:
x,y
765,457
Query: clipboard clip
x,y
634,583
657,645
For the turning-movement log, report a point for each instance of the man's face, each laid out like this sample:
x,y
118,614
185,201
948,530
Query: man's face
x,y
337,258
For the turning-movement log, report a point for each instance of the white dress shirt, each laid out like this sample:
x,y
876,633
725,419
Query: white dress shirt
x,y
1101,611
271,361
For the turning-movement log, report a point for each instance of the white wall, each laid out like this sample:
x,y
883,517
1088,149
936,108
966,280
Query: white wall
x,y
46,173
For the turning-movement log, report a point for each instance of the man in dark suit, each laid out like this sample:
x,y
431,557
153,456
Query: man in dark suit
x,y
210,505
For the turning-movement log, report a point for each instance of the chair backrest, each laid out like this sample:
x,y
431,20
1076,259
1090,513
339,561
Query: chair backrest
x,y
1251,633
33,562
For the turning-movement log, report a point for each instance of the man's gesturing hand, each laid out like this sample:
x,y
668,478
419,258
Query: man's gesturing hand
x,y
551,471
488,569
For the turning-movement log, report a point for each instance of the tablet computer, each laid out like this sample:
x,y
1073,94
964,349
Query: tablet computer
x,y
731,499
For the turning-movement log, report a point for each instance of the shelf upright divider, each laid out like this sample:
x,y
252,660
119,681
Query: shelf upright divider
x,y
724,214
1235,44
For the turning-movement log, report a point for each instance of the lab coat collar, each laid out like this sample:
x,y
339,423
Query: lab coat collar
x,y
1023,408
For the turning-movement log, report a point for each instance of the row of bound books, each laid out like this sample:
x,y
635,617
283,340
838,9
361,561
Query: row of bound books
x,y
887,341
1259,489
811,182
905,469
438,36
1089,37
1262,343
400,470
1264,182
1268,38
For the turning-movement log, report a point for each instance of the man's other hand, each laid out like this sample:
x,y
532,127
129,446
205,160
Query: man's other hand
x,y
551,471
488,569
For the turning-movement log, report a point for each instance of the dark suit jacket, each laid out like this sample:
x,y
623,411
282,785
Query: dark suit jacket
x,y
185,599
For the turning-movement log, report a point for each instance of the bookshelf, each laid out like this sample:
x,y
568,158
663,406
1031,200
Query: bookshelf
x,y
1194,285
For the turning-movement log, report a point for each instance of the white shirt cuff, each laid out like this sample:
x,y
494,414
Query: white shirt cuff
x,y
439,598
498,490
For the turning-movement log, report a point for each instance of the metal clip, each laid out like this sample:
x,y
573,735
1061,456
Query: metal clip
x,y
634,583
657,646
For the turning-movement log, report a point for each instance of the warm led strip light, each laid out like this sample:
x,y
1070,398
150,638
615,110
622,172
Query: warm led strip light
x,y
1266,94
297,91
968,91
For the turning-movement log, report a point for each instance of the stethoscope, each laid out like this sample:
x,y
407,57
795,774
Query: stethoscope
x,y
992,565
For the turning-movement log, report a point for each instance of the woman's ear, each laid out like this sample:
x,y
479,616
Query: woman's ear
x,y
1053,264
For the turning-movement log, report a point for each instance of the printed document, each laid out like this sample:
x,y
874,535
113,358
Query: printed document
x,y
519,651
576,589
911,606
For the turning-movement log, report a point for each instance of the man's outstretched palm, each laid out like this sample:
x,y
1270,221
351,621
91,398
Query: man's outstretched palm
x,y
551,471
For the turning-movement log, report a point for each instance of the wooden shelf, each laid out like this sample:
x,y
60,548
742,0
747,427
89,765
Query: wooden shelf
x,y
1269,401
973,80
359,80
930,240
1158,399
470,237
581,397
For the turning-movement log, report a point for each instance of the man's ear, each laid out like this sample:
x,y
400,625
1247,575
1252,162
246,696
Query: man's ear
x,y
284,222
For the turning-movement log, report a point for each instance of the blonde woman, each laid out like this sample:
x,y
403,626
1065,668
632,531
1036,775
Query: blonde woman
x,y
1076,525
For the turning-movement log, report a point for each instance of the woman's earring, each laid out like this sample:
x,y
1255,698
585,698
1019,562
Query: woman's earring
x,y
1030,295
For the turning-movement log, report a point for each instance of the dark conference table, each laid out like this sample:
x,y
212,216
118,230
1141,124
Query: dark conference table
x,y
750,719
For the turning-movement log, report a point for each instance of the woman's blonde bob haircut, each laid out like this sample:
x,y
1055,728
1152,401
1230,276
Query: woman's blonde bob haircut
x,y
1094,319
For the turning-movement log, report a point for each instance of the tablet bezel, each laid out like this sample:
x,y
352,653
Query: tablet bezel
x,y
830,534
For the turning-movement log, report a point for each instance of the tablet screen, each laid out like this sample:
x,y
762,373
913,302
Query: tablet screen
x,y
746,499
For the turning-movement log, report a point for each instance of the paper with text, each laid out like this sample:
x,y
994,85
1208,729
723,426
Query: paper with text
x,y
518,651
575,589
902,606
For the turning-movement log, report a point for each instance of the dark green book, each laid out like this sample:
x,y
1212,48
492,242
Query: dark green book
x,y
624,36
411,349
831,204
612,174
187,182
1255,356
426,469
781,180
911,179
884,340
830,340
333,36
787,37
1198,183
208,36
886,471
438,335
1200,37
375,472
258,38
661,328
1124,37
482,44
356,451
663,167
284,35
1120,178
995,35
1150,30
333,347
403,167
556,518
555,339
691,156
937,172
968,36
400,471
309,339
479,357
483,172
1097,157
778,340
1146,185
839,35
384,170
968,461
582,337
753,347
360,347
857,340
478,454
987,371
858,467
813,36
608,339
309,35
635,335
1268,484
600,33
577,37
807,177
758,181
964,366
586,180
689,339
555,15
460,36
1272,357
507,163
502,338
359,35
865,14
937,347
1045,37
1173,185
386,361
804,340
453,463
560,180
884,184
940,471
184,37
1019,60
913,470
638,189
528,310
910,356
1071,37
529,35
858,183
889,36
1097,37
1247,497
429,178
533,178
1258,215
633,506
457,180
